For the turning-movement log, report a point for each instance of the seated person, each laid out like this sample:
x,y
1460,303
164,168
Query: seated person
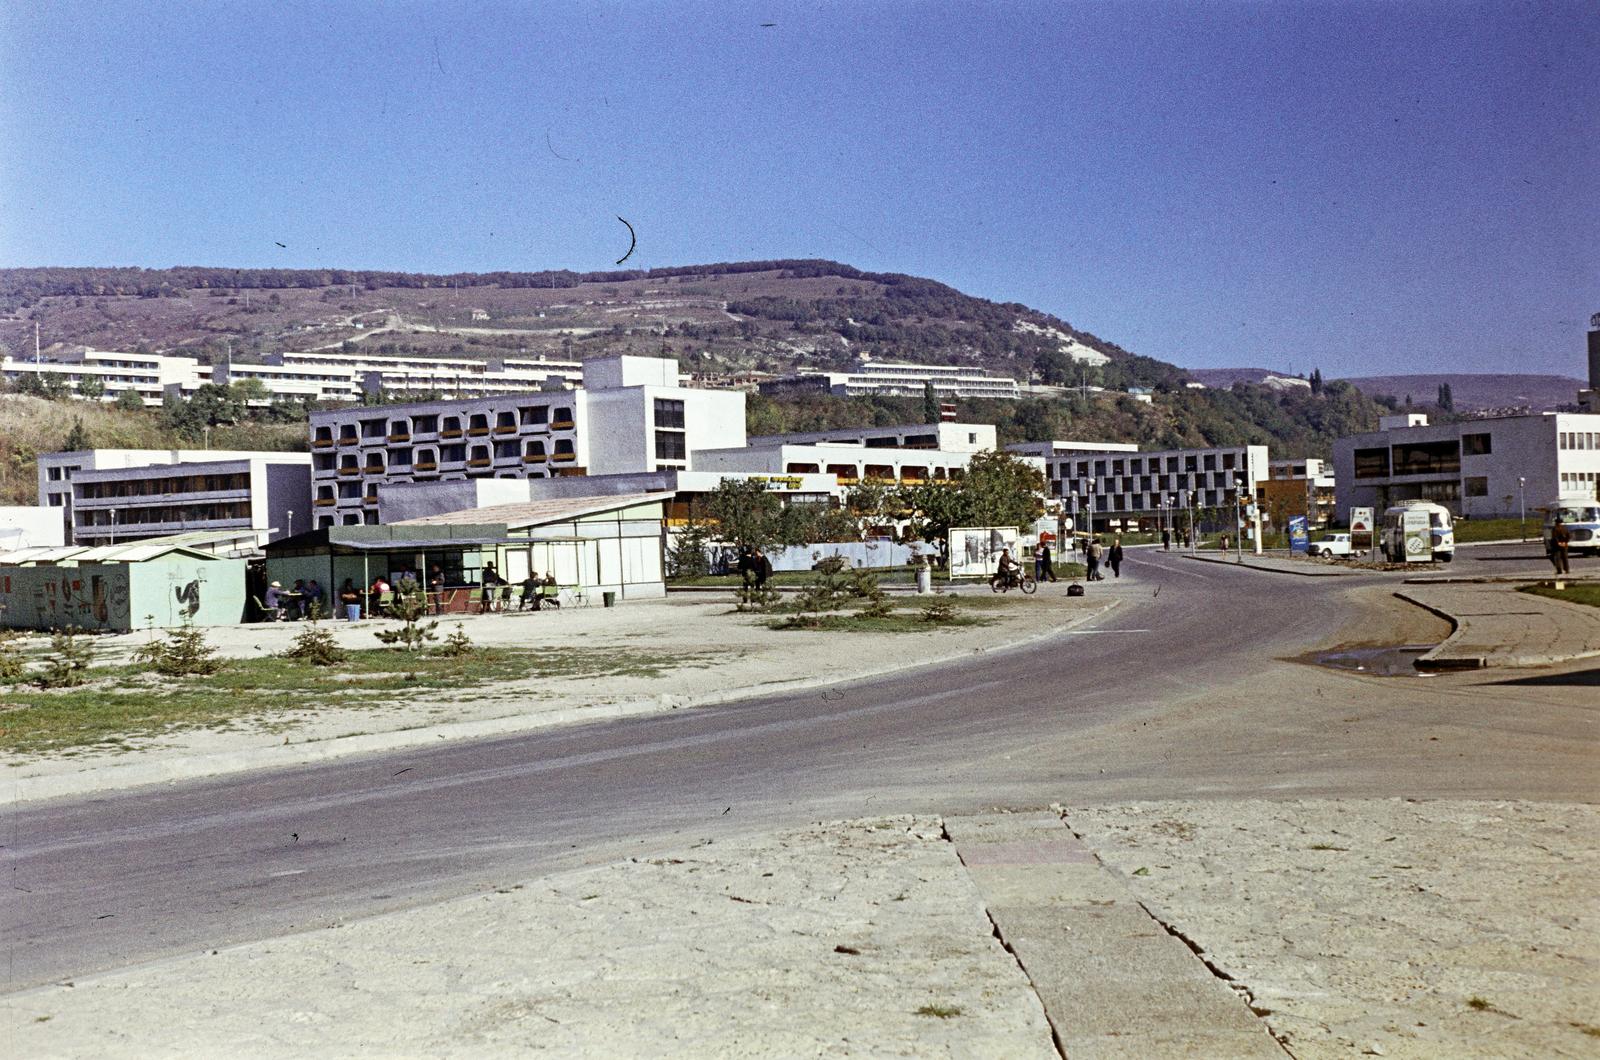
x,y
531,592
273,599
550,590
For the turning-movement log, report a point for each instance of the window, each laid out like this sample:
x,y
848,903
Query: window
x,y
1372,463
1427,458
1475,445
55,474
1477,487
670,446
535,415
670,414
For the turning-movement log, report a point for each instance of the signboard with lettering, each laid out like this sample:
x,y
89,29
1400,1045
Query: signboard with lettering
x,y
1418,537
1362,522
1299,534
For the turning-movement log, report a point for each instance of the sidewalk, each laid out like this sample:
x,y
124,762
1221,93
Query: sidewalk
x,y
1498,626
1306,568
1386,927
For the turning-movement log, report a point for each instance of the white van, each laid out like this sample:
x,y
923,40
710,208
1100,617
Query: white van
x,y
1441,531
1581,517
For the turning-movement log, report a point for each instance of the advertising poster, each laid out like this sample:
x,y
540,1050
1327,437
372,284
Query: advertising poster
x,y
1419,540
1299,534
974,550
1361,528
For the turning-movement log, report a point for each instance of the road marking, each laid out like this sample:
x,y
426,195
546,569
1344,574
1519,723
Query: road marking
x,y
286,872
1086,632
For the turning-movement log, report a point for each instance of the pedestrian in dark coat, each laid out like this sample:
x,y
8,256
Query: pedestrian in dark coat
x,y
1560,542
1046,567
1094,551
1116,558
747,566
763,568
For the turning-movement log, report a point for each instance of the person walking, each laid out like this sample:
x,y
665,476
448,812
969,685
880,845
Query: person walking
x,y
1094,574
762,567
1560,541
1166,540
1115,556
1046,566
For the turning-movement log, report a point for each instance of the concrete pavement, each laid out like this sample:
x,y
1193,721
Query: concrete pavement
x,y
1498,626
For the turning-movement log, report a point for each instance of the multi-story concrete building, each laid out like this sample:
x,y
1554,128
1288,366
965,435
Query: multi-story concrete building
x,y
1299,487
151,376
1481,468
888,379
58,471
848,464
630,416
1117,480
308,382
950,437
134,494
446,378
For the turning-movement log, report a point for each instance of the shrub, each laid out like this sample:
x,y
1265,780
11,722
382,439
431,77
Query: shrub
x,y
458,643
940,610
11,662
67,665
753,599
184,653
315,644
410,605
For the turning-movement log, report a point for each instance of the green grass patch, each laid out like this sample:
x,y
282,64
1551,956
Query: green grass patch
x,y
130,703
1572,594
1470,530
942,1012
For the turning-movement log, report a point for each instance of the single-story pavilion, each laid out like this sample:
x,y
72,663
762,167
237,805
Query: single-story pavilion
x,y
594,544
118,588
332,554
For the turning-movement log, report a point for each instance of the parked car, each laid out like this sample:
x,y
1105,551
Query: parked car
x,y
1331,545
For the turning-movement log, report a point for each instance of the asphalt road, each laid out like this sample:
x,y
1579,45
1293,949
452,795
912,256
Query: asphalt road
x,y
1181,689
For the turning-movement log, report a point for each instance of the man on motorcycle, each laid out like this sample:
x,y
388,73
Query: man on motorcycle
x,y
1008,571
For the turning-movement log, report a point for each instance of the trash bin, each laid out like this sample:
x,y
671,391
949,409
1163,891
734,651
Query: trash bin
x,y
924,580
609,599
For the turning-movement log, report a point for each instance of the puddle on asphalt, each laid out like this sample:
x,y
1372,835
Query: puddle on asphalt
x,y
1392,661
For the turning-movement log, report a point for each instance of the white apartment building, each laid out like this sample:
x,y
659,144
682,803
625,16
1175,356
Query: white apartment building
x,y
1480,468
1118,479
848,464
950,437
122,500
307,382
58,471
449,378
889,379
149,375
629,416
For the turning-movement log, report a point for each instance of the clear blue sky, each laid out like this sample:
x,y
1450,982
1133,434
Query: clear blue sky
x,y
1361,187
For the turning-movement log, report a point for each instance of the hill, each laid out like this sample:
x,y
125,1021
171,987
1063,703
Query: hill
x,y
1477,392
718,320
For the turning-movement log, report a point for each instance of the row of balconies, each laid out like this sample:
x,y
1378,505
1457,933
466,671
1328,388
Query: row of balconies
x,y
351,471
329,442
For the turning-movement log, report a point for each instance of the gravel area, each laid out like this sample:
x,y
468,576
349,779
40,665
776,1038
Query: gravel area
x,y
1381,927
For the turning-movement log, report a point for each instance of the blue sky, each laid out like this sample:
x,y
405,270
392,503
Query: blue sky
x,y
1360,187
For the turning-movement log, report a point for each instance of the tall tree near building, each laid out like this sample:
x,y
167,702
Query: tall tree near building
x,y
91,387
1316,380
930,403
1447,400
129,401
996,489
77,438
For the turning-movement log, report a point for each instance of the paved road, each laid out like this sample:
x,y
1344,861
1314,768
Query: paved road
x,y
1160,699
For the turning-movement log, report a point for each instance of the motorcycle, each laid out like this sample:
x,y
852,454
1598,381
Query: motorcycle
x,y
1005,581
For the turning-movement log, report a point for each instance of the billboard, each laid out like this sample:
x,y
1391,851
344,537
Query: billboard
x,y
974,550
1418,536
1299,534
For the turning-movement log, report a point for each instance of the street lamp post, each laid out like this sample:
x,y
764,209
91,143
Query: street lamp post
x,y
113,526
291,524
1522,505
1238,519
1172,518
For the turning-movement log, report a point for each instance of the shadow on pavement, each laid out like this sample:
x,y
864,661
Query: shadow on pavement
x,y
1576,677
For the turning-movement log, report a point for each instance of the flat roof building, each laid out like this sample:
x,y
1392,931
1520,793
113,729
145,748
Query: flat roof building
x,y
1479,468
1120,480
149,375
630,416
207,490
949,436
889,379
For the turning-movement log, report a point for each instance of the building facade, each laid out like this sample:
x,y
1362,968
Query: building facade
x,y
116,496
1299,487
151,376
443,378
888,379
1119,481
1478,468
630,416
849,465
948,436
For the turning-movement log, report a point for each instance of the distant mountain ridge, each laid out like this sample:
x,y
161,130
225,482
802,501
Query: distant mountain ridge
x,y
1473,392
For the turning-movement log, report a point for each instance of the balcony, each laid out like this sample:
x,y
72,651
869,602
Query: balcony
x,y
453,432
373,469
325,502
371,498
352,470
402,437
563,425
322,443
426,465
349,439
479,462
477,432
563,458
506,428
534,458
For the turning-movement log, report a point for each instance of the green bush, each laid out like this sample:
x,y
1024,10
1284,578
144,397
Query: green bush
x,y
315,644
67,665
184,653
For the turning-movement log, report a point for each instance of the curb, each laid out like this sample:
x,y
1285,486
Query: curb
x,y
1439,659
128,775
1247,565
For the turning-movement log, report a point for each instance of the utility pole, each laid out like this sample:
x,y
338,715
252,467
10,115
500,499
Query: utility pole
x,y
35,342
